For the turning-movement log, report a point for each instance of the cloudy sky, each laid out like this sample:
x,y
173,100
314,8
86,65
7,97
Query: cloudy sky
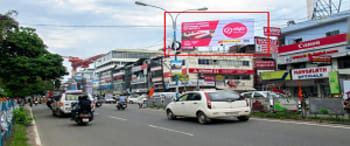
x,y
85,28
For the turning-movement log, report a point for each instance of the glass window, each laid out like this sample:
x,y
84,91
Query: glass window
x,y
195,96
223,96
184,97
344,62
245,63
257,94
332,33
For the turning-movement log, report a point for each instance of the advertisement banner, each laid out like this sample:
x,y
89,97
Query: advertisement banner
x,y
217,32
275,75
346,85
304,57
313,43
176,66
264,64
221,71
311,73
209,78
333,82
320,59
274,31
261,45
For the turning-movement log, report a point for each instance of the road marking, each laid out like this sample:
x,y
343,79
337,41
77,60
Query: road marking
x,y
118,118
170,130
36,133
305,123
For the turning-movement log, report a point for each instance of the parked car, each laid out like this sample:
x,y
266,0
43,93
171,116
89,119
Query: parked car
x,y
133,99
291,105
63,104
207,105
110,100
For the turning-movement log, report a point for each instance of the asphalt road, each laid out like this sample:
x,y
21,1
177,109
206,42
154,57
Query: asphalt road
x,y
134,127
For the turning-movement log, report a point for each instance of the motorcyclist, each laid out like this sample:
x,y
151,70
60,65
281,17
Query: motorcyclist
x,y
83,105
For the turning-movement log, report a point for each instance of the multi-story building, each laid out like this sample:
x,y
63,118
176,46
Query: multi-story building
x,y
234,72
105,65
312,49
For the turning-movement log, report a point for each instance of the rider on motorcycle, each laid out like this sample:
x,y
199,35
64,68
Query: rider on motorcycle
x,y
83,105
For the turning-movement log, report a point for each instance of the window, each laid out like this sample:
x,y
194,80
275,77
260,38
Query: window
x,y
195,96
257,95
332,33
245,63
299,65
184,97
245,77
298,40
282,67
344,62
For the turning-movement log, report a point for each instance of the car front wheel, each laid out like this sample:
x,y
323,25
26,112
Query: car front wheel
x,y
170,115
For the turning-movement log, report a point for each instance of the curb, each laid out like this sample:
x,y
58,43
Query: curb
x,y
36,133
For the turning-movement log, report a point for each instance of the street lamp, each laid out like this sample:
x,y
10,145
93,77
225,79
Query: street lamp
x,y
174,29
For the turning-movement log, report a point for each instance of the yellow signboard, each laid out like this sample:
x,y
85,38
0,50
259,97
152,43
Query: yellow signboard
x,y
275,75
184,77
220,77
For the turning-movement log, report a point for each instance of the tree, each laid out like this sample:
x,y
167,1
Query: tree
x,y
27,68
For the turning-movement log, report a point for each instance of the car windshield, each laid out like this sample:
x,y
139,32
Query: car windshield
x,y
223,96
72,96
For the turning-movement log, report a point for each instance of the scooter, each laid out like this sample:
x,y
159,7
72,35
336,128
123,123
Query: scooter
x,y
98,104
122,106
83,117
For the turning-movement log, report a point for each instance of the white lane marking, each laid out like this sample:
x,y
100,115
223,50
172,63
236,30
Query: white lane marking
x,y
305,123
118,118
170,130
36,133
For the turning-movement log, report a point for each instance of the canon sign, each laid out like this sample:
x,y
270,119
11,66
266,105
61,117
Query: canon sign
x,y
309,44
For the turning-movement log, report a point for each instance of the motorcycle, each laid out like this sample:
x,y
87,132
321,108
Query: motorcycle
x,y
98,104
36,102
83,117
121,106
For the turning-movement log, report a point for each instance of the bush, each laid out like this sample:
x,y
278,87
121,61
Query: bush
x,y
22,117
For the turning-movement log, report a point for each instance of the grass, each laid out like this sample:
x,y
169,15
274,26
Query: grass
x,y
296,116
19,136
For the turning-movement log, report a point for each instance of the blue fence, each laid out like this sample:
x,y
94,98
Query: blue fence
x,y
6,118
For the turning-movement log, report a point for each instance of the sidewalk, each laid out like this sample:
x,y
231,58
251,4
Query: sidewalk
x,y
32,130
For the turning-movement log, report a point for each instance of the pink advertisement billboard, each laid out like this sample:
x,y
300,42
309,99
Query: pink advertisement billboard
x,y
217,32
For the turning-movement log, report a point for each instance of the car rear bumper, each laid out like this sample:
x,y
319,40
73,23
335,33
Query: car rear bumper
x,y
227,113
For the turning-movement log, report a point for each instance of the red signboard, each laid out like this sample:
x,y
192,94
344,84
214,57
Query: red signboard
x,y
274,31
209,78
107,79
320,59
264,64
119,77
313,43
261,45
221,71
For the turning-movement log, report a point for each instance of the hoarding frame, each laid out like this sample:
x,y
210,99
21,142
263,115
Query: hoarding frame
x,y
224,12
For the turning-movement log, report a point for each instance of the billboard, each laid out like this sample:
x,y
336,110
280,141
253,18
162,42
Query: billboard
x,y
333,82
274,31
176,66
217,32
261,45
311,73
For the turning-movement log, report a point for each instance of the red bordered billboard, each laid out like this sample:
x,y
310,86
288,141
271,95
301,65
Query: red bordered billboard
x,y
166,53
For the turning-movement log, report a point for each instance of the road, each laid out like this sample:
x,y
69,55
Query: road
x,y
134,127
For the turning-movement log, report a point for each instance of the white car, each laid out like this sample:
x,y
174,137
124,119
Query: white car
x,y
133,99
63,104
207,105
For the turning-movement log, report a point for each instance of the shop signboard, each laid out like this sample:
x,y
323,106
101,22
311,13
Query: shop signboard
x,y
220,71
209,78
275,75
261,45
305,56
333,82
313,43
220,77
274,31
311,73
217,32
264,64
320,59
176,66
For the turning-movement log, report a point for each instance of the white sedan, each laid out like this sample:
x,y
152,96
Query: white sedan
x,y
207,105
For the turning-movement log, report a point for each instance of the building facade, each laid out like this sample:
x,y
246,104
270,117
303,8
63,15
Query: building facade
x,y
310,50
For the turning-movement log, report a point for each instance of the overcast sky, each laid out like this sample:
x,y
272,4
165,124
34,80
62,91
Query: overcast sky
x,y
85,28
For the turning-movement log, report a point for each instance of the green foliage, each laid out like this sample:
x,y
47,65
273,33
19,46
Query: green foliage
x,y
22,117
19,137
27,68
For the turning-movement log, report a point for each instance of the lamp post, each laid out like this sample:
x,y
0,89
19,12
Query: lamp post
x,y
173,20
